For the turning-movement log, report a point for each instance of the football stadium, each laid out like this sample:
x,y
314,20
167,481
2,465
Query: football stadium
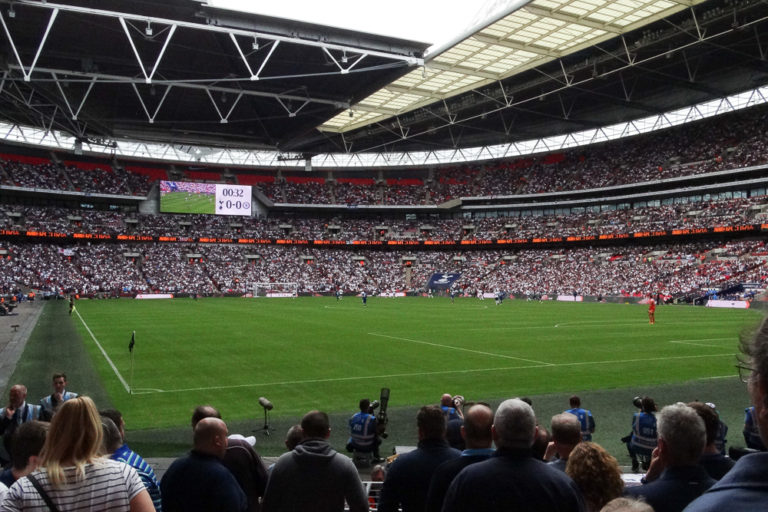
x,y
559,202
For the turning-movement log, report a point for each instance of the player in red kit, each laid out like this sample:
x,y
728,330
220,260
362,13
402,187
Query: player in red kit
x,y
651,309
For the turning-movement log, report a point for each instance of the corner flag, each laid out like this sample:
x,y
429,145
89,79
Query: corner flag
x,y
133,342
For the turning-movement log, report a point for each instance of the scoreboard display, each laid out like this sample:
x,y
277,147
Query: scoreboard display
x,y
206,198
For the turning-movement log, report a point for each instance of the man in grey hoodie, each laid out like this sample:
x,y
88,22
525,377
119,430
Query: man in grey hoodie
x,y
314,477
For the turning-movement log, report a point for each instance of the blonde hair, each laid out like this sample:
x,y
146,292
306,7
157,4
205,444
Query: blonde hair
x,y
74,440
596,472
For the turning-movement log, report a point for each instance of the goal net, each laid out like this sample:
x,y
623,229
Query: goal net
x,y
275,289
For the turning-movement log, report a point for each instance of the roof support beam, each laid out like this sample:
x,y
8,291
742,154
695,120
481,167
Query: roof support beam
x,y
408,59
113,79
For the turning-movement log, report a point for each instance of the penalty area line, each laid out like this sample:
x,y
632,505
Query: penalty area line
x,y
459,348
104,353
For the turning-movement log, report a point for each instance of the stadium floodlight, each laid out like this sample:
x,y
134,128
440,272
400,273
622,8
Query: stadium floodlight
x,y
148,31
255,44
268,406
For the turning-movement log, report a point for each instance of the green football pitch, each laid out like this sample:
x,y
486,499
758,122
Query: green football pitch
x,y
310,353
315,352
183,202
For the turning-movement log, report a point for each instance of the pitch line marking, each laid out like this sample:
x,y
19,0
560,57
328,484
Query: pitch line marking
x,y
689,342
458,348
104,353
422,374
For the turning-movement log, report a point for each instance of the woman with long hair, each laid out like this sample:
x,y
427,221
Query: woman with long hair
x,y
597,474
73,474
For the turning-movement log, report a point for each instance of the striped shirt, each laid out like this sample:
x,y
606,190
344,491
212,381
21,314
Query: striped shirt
x,y
108,485
145,471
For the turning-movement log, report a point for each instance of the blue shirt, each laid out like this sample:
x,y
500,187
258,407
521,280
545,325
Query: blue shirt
x,y
586,420
145,471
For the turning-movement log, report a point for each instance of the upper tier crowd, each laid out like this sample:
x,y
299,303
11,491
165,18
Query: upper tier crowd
x,y
725,142
709,214
93,269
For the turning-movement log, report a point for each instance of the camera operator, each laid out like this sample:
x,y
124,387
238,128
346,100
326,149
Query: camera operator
x,y
452,407
363,430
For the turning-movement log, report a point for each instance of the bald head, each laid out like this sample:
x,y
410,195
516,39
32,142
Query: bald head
x,y
17,395
514,425
446,400
476,430
211,437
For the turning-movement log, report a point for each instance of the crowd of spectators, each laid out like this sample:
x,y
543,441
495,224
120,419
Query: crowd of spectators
x,y
210,269
729,212
726,142
100,179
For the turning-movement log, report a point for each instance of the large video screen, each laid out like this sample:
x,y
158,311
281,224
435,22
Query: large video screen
x,y
210,198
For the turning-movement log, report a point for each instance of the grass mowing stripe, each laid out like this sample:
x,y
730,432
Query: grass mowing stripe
x,y
104,353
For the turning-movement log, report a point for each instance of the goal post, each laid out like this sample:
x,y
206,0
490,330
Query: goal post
x,y
273,290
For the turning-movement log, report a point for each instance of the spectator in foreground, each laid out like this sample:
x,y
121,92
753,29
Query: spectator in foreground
x,y
512,479
240,459
73,474
27,444
409,476
476,432
566,434
597,473
675,478
626,505
712,460
199,481
745,487
314,476
116,449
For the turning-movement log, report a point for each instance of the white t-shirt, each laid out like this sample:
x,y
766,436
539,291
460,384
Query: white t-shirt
x,y
108,485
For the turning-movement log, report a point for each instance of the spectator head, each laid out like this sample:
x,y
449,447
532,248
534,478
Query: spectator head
x,y
575,402
59,382
541,442
378,473
681,435
755,349
204,411
566,433
596,472
28,441
431,422
293,437
211,437
648,405
17,395
365,405
446,400
116,417
627,505
476,430
711,420
112,438
514,425
316,424
74,439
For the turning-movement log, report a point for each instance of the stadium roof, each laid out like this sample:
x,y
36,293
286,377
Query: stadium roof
x,y
185,73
